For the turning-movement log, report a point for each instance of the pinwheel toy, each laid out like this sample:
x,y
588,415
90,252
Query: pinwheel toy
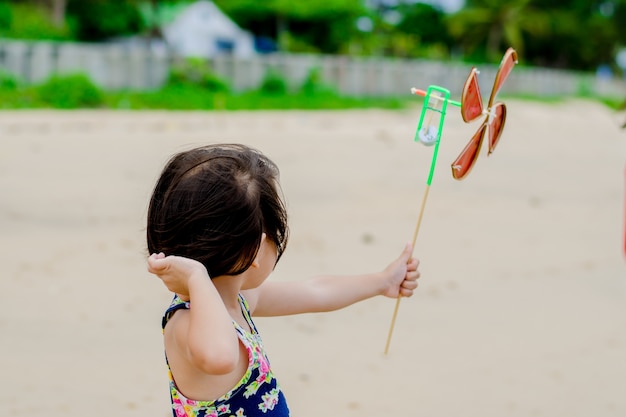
x,y
494,115
430,126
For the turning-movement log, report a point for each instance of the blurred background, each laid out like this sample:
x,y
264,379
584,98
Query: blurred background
x,y
233,54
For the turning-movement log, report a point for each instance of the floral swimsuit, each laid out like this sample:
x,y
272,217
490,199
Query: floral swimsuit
x,y
256,394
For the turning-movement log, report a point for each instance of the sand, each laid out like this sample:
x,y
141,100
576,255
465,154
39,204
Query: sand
x,y
521,309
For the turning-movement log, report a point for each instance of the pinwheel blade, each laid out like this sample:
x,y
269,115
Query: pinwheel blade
x,y
496,124
471,100
506,65
466,160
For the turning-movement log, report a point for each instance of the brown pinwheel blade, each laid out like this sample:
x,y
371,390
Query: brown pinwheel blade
x,y
466,160
496,124
471,101
506,65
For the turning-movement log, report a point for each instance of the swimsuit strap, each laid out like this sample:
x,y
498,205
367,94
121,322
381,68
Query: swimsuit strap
x,y
176,305
245,309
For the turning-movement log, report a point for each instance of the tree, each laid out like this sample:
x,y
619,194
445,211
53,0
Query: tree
x,y
326,25
425,21
620,19
582,34
427,25
57,9
94,19
99,20
485,28
58,12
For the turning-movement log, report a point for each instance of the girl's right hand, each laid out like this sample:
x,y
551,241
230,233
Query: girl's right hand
x,y
176,272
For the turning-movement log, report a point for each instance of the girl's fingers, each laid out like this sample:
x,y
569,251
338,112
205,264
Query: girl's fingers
x,y
156,263
409,285
406,293
413,264
412,276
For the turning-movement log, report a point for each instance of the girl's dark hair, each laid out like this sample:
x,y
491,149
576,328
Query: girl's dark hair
x,y
213,203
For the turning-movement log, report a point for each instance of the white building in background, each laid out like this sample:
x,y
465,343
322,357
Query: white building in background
x,y
202,30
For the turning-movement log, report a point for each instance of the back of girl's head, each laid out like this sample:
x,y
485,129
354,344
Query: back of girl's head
x,y
213,203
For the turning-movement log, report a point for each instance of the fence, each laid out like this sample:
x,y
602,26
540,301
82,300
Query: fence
x,y
146,67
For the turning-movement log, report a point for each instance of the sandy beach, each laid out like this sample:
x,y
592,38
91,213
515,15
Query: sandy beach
x,y
521,309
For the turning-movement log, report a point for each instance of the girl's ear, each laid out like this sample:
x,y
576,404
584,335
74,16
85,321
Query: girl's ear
x,y
255,263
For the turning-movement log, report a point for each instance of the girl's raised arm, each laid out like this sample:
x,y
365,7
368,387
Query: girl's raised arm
x,y
196,330
328,293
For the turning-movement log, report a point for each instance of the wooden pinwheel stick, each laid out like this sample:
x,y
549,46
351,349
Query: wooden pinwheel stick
x,y
442,95
397,307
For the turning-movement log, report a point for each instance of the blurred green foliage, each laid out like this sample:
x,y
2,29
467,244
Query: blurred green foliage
x,y
325,25
194,72
98,20
6,15
77,91
70,92
572,34
273,83
8,82
31,21
184,98
314,85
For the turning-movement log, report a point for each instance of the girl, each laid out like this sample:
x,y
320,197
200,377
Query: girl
x,y
216,228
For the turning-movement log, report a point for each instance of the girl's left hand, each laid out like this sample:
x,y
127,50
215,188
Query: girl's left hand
x,y
402,275
176,272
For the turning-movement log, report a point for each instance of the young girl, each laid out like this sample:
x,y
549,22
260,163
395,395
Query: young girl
x,y
217,226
